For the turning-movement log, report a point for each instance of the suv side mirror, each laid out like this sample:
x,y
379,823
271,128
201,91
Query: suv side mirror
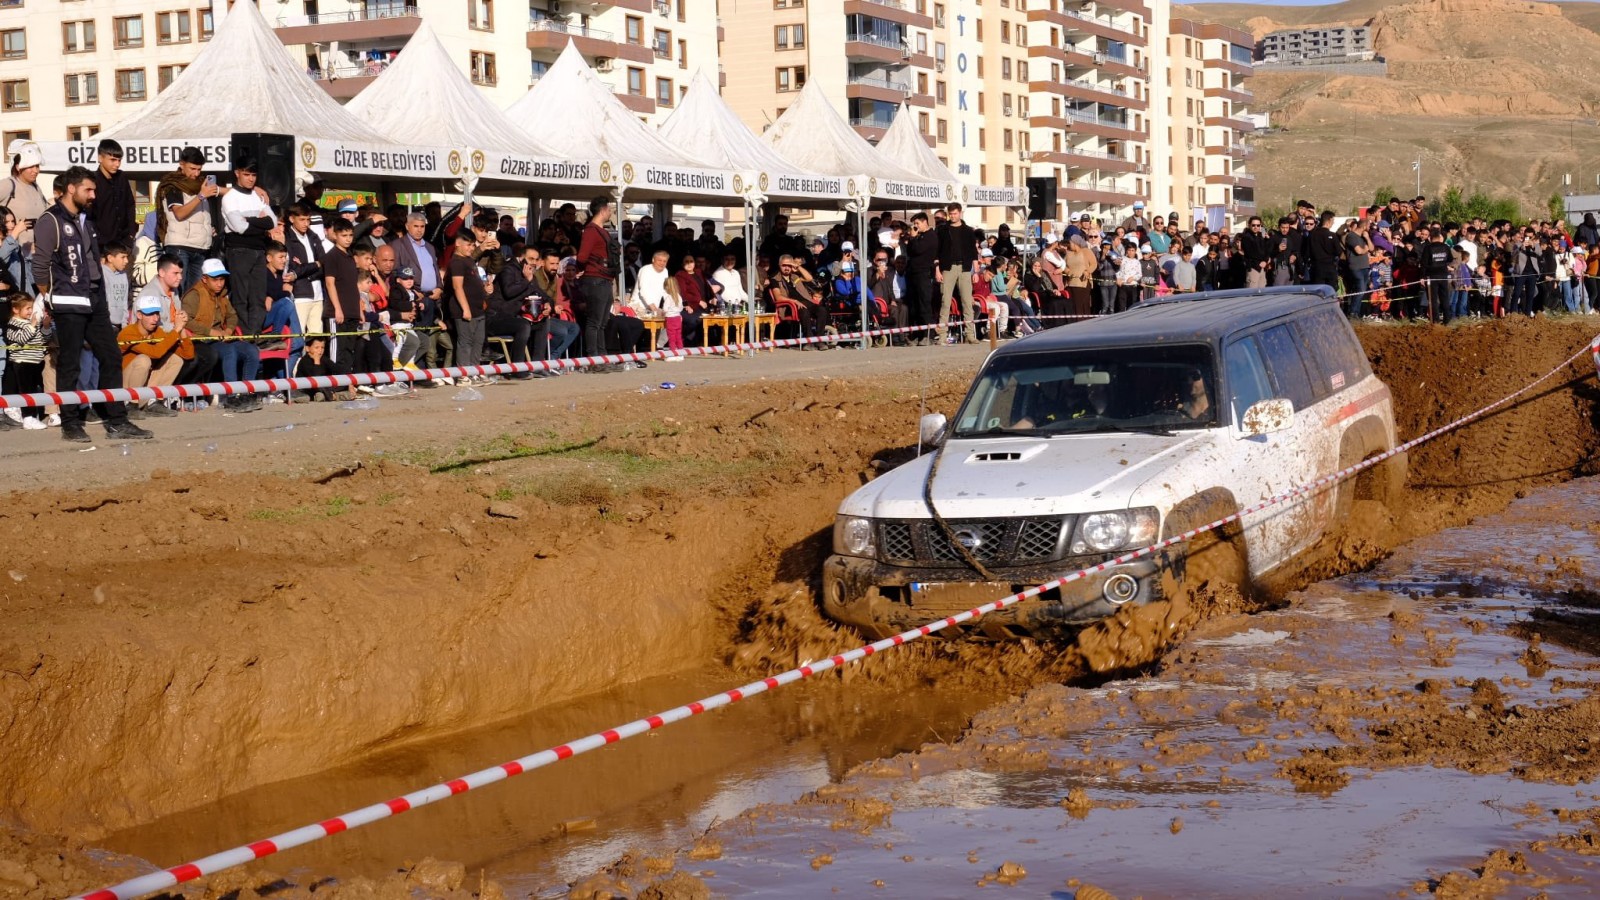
x,y
1267,416
931,430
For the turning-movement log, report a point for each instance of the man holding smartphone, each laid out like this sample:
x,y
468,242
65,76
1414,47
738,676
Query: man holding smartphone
x,y
185,227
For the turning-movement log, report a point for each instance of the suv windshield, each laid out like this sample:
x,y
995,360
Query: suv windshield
x,y
1139,389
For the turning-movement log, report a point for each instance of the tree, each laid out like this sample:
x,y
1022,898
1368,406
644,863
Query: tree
x,y
1380,196
1558,207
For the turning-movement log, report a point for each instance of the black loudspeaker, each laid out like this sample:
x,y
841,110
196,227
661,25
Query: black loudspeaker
x,y
273,154
1041,198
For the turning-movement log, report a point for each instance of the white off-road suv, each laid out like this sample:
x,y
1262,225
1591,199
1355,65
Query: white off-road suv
x,y
1080,443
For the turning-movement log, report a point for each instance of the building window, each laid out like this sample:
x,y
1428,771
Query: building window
x,y
130,85
166,75
1022,35
1005,68
922,122
635,31
207,25
790,37
6,137
938,15
683,14
1005,32
1009,176
129,31
1022,70
980,29
14,95
13,44
663,45
635,82
980,104
983,139
664,95
80,132
683,54
922,44
83,88
173,27
944,132
77,37
1005,140
940,92
791,78
979,61
483,68
788,4
480,15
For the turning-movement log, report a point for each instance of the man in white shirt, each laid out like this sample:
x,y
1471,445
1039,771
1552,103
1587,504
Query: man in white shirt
x,y
247,221
651,287
733,292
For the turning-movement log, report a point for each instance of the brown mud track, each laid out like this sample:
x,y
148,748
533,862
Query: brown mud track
x,y
175,641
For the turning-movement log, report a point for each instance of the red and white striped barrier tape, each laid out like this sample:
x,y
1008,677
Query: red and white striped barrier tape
x,y
166,878
324,382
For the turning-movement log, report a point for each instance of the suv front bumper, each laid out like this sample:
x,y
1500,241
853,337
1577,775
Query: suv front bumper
x,y
882,600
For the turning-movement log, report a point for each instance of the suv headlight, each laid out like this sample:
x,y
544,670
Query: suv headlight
x,y
1120,529
855,536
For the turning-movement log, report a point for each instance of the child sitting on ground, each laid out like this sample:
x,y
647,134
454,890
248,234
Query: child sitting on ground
x,y
313,363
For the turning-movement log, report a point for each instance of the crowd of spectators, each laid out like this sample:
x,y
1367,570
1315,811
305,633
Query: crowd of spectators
x,y
217,283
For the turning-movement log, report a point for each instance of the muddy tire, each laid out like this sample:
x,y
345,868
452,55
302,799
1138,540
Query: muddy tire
x,y
1213,559
1384,483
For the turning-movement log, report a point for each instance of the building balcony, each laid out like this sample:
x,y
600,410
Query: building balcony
x,y
1076,59
551,36
1237,179
872,129
643,6
1237,95
1134,6
1088,159
1091,91
873,87
1091,192
344,82
1234,122
1227,65
889,11
869,47
640,104
1086,124
361,24
1076,23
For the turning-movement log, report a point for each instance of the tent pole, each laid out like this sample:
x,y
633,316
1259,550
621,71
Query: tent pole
x,y
750,212
861,243
621,266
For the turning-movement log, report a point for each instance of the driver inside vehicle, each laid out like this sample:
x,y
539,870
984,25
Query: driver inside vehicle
x,y
1194,400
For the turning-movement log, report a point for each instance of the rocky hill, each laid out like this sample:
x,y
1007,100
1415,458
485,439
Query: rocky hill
x,y
1497,96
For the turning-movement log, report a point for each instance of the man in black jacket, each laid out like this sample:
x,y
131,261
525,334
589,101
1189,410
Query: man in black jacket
x,y
1436,257
1322,252
1255,247
66,272
922,249
113,198
509,307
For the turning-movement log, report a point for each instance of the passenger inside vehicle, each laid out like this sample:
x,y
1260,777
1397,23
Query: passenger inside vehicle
x,y
1122,389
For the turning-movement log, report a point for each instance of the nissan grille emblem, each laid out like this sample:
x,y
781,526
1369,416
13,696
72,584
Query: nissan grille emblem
x,y
969,539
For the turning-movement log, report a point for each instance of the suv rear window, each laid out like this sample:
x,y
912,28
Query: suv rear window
x,y
1331,348
1288,369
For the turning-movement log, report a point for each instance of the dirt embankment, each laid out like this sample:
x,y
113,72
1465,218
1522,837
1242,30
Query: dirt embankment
x,y
202,636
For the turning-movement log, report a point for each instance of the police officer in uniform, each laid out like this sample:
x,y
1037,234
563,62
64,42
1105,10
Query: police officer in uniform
x,y
66,269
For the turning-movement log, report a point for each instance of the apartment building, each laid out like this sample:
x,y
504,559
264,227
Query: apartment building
x,y
69,68
1007,88
1325,42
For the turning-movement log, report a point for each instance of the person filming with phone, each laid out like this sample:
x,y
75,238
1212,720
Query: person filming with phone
x,y
186,228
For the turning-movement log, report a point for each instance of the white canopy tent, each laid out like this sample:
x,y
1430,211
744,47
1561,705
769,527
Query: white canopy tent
x,y
424,97
245,81
577,116
905,144
703,127
813,136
